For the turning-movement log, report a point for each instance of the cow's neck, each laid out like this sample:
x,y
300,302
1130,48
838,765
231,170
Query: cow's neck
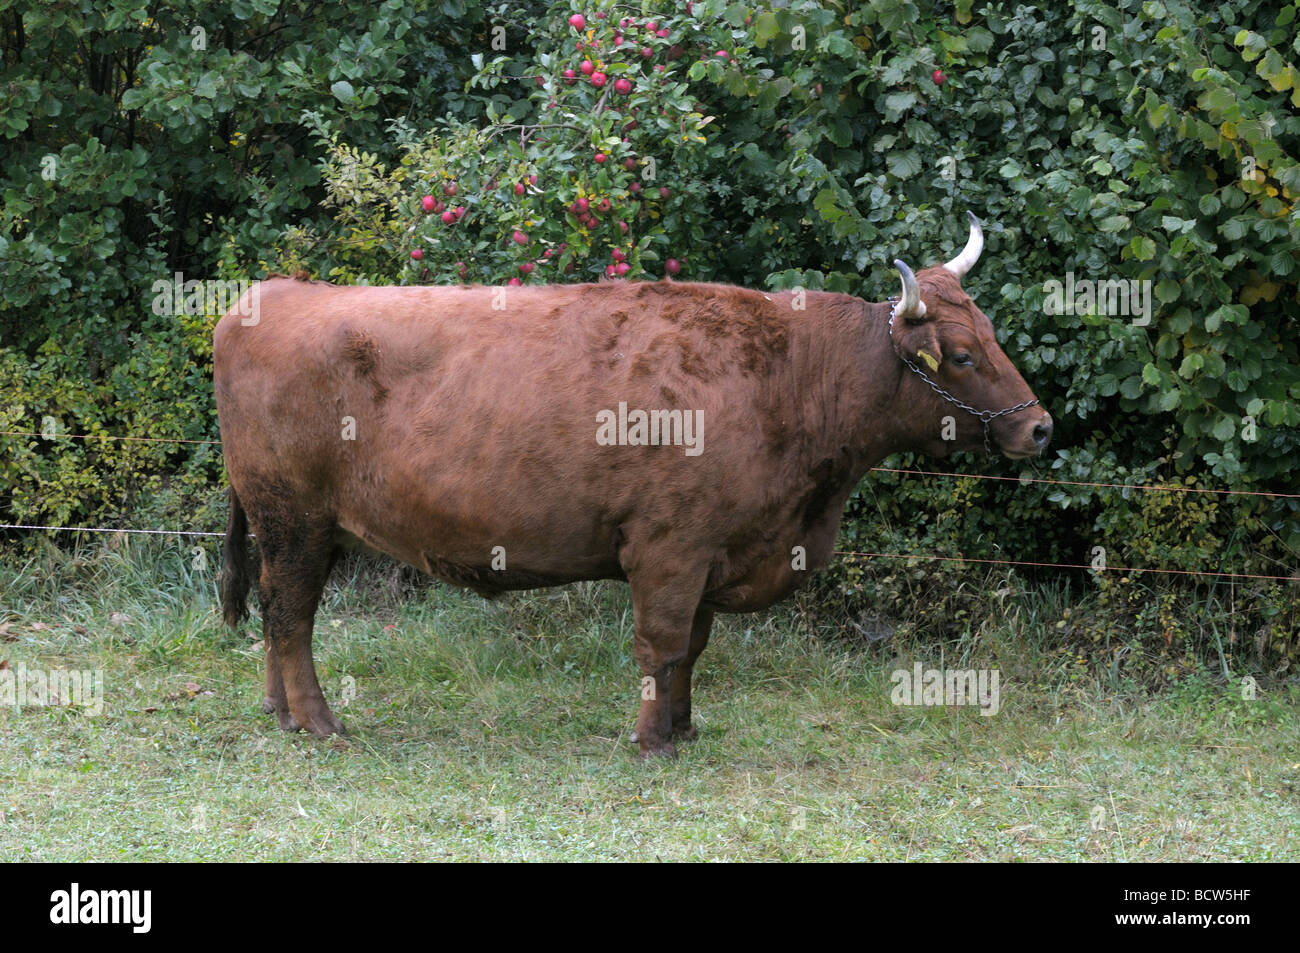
x,y
858,376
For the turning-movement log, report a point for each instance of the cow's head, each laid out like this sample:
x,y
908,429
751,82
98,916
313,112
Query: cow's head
x,y
949,348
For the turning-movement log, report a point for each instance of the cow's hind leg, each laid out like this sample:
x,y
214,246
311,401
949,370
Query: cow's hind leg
x,y
680,705
296,562
664,605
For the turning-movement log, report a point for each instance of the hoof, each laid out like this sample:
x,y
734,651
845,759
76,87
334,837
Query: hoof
x,y
686,733
665,750
321,724
281,712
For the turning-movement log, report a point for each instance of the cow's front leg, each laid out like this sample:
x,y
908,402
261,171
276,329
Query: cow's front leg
x,y
680,706
664,605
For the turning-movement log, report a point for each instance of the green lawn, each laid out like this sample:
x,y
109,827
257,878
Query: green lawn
x,y
499,731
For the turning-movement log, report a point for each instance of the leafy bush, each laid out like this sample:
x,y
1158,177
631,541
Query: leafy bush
x,y
1137,142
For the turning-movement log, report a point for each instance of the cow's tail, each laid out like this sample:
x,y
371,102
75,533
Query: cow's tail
x,y
236,574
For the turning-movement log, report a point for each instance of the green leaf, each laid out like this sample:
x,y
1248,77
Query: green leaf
x,y
904,164
766,28
343,91
1142,248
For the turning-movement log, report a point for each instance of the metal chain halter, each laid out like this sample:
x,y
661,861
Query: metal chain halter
x,y
984,415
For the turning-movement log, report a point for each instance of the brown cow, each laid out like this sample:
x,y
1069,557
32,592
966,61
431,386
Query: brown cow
x,y
514,438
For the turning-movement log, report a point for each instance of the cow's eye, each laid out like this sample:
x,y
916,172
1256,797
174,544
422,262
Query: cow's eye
x,y
962,359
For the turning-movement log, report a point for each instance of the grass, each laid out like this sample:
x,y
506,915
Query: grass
x,y
499,731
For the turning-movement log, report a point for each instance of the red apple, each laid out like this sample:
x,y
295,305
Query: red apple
x,y
598,79
617,255
629,164
647,52
622,268
428,202
579,206
672,266
622,86
450,189
578,21
618,39
623,227
587,67
600,158
514,281
652,26
938,77
609,271
448,217
664,192
722,55
662,34
570,77
532,179
520,188
634,188
417,254
604,205
460,211
519,237
527,268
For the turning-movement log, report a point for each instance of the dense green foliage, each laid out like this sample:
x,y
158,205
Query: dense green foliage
x,y
1153,142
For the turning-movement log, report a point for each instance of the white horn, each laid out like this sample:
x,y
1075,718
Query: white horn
x,y
971,253
910,306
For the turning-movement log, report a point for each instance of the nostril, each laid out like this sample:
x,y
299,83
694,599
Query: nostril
x,y
1043,433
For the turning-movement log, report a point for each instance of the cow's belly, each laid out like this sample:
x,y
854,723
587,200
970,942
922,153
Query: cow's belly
x,y
502,566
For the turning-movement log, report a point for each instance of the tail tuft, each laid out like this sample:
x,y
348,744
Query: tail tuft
x,y
236,577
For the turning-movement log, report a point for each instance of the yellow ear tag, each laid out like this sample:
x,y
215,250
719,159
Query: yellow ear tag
x,y
929,359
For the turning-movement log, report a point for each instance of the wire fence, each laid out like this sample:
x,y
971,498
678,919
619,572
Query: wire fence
x,y
903,556
932,473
